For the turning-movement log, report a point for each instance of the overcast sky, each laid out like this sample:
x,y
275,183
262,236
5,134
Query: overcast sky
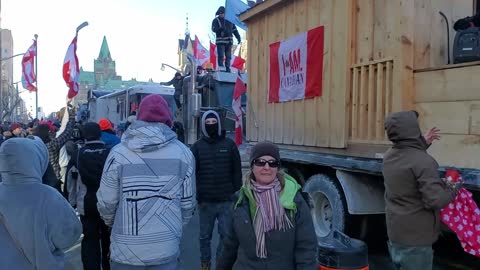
x,y
141,34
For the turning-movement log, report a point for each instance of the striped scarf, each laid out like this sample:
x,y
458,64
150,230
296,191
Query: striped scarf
x,y
270,214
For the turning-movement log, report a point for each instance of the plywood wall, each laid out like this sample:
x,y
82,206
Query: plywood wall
x,y
449,99
431,29
312,122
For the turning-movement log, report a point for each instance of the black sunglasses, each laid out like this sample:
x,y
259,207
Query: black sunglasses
x,y
262,162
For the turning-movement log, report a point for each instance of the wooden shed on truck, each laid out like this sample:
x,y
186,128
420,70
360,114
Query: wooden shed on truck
x,y
379,57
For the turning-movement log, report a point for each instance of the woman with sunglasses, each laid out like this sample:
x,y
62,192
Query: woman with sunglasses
x,y
270,226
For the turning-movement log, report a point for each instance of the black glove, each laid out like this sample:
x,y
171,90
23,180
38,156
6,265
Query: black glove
x,y
239,40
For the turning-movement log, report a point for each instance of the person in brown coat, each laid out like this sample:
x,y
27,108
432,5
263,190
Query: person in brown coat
x,y
414,192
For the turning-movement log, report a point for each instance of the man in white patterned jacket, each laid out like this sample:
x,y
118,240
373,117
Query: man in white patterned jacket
x,y
147,191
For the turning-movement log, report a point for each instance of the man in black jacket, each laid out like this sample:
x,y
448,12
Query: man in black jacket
x,y
90,161
223,37
177,83
219,176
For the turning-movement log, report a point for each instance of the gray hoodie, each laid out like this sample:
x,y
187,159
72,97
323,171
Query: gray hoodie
x,y
36,223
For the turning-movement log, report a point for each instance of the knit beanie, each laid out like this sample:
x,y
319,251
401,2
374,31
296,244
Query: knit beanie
x,y
105,124
265,148
91,131
154,108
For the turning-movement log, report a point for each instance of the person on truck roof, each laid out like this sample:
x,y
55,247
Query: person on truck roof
x,y
219,176
269,225
414,193
224,30
177,82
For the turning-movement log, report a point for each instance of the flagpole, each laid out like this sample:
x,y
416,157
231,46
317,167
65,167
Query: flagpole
x,y
36,76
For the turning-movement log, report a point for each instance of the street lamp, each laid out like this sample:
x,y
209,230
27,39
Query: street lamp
x,y
10,57
162,68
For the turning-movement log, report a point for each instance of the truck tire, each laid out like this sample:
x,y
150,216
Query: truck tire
x,y
329,205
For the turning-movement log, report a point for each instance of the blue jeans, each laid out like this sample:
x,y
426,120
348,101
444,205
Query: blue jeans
x,y
224,50
411,257
208,213
168,266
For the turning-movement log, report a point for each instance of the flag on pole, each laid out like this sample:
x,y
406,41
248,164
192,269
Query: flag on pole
x,y
296,67
239,90
199,52
71,69
233,8
29,77
235,63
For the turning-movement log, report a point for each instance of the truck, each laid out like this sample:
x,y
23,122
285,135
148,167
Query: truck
x,y
211,91
379,57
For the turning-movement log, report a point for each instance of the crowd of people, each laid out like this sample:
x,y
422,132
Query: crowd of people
x,y
133,196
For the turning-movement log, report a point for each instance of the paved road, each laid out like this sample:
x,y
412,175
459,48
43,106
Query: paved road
x,y
190,254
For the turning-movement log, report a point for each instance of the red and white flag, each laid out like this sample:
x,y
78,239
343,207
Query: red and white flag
x,y
71,70
200,53
239,90
296,67
236,63
29,78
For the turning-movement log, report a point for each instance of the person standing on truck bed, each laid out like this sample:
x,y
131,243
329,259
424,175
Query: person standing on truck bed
x,y
219,176
414,193
223,37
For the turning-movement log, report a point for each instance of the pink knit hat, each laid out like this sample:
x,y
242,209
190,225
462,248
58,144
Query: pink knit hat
x,y
154,108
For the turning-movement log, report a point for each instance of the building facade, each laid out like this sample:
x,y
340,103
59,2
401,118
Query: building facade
x,y
103,77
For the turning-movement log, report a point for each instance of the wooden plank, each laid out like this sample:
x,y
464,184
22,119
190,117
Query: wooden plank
x,y
355,103
374,62
252,90
423,28
388,88
371,103
271,25
365,26
451,66
267,6
313,15
379,29
323,103
449,117
274,36
390,38
474,123
299,105
457,150
402,95
380,108
342,21
459,84
363,102
261,80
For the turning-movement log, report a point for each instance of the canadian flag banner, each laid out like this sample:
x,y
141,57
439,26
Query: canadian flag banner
x,y
236,63
200,53
239,90
71,71
296,67
29,77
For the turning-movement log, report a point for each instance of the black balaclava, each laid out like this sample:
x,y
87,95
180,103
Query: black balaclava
x,y
212,129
